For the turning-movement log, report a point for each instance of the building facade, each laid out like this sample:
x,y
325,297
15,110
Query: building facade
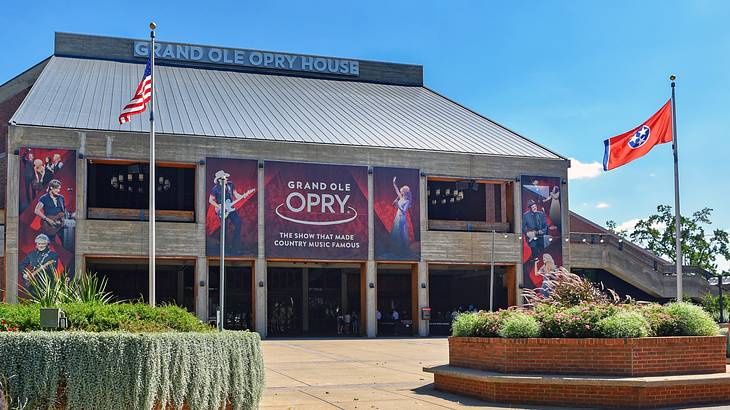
x,y
354,190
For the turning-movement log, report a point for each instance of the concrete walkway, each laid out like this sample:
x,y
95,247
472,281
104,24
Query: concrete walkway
x,y
359,374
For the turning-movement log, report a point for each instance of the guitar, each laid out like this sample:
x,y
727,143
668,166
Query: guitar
x,y
228,205
53,224
28,274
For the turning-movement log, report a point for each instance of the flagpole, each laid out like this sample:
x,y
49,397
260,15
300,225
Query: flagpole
x,y
222,276
153,178
677,213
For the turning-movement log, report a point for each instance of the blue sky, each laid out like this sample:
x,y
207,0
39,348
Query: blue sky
x,y
567,74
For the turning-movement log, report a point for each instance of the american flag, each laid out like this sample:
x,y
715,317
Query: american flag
x,y
141,96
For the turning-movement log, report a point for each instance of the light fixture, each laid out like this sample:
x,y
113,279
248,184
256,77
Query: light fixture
x,y
584,240
567,239
261,283
506,236
371,285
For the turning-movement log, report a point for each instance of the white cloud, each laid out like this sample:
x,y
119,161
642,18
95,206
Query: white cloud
x,y
583,170
723,265
602,205
627,226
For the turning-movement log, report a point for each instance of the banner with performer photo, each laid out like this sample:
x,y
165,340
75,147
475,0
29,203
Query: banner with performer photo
x,y
542,244
316,211
240,204
396,205
47,212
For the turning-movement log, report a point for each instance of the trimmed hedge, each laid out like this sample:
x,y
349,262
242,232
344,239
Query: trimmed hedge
x,y
98,317
117,370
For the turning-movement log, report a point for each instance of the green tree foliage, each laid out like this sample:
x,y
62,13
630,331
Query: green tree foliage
x,y
701,246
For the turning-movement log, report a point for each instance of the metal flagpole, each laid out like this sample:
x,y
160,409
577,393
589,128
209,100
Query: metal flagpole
x,y
677,214
153,179
222,276
491,275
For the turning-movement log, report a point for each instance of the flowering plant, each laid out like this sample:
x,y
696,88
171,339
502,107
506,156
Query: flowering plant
x,y
5,327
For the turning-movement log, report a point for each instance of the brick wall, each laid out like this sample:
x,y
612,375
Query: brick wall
x,y
572,395
615,357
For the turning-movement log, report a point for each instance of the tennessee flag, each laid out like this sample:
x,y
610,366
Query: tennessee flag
x,y
624,148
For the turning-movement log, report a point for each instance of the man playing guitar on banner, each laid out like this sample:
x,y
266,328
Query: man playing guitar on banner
x,y
534,227
51,209
40,260
230,205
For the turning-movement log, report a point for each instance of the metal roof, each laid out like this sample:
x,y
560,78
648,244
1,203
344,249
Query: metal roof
x,y
89,94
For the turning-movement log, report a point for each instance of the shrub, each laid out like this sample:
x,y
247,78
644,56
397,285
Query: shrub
x,y
692,320
661,323
97,317
624,324
565,289
128,371
518,326
476,324
573,322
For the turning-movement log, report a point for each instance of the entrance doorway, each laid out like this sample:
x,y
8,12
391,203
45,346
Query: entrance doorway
x,y
456,289
238,308
313,301
128,280
395,302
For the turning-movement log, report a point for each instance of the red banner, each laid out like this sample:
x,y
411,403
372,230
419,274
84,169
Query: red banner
x,y
240,202
47,212
396,205
542,227
316,211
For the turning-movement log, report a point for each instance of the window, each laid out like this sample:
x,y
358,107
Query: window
x,y
468,205
121,191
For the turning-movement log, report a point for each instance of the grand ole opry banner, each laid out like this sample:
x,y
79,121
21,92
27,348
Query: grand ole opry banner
x,y
316,211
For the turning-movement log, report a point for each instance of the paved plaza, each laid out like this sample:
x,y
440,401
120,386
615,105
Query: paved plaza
x,y
360,374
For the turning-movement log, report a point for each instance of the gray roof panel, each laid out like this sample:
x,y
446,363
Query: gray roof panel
x,y
89,94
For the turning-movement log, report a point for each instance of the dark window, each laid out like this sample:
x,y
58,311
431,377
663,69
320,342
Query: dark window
x,y
126,187
128,280
466,206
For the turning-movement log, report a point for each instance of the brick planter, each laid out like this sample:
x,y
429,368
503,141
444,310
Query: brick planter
x,y
650,356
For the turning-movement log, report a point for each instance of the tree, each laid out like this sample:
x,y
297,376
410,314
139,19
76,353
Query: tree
x,y
657,233
611,225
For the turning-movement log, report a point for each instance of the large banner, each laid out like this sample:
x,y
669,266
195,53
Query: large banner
x,y
397,212
47,212
240,204
541,228
316,211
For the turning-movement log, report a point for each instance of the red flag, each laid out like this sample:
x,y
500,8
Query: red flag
x,y
624,148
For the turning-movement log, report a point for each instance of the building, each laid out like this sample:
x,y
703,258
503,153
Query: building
x,y
354,188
